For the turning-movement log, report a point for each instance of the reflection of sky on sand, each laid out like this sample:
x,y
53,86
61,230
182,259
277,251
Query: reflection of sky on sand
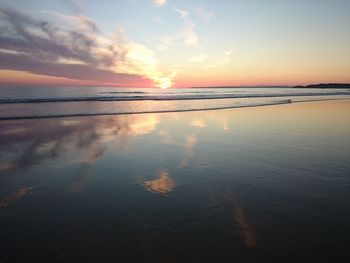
x,y
190,143
162,185
82,180
233,180
25,143
85,141
198,123
246,231
15,197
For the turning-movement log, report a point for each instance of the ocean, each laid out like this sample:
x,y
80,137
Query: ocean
x,y
42,102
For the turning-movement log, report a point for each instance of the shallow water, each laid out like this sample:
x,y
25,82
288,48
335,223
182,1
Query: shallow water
x,y
267,183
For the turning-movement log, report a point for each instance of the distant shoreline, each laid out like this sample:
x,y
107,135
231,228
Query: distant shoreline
x,y
311,86
325,86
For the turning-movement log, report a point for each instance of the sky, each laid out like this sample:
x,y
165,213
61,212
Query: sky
x,y
174,43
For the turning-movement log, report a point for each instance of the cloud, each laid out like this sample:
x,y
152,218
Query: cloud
x,y
188,34
87,23
72,71
80,52
199,58
228,52
225,59
159,3
158,20
182,13
204,14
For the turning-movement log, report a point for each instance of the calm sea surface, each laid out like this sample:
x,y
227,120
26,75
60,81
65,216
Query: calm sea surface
x,y
238,185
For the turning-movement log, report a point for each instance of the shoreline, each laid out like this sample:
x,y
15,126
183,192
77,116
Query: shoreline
x,y
284,102
159,98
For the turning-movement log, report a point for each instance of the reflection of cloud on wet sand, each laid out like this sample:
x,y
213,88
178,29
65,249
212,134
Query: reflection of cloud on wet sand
x,y
5,167
82,180
163,185
165,136
145,125
221,118
25,143
15,197
246,230
190,143
198,123
93,154
225,124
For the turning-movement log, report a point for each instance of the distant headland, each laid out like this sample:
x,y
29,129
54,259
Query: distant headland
x,y
311,86
325,86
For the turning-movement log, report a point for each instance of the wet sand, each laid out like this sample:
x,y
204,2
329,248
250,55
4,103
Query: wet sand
x,y
252,184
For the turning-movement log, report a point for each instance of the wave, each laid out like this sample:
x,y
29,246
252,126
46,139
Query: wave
x,y
122,92
161,97
45,116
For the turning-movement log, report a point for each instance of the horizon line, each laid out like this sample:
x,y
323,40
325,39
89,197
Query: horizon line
x,y
7,85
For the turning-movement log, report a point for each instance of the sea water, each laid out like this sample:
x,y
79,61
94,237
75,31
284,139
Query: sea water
x,y
39,102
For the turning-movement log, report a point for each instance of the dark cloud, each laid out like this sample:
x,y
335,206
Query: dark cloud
x,y
73,71
89,24
42,39
41,47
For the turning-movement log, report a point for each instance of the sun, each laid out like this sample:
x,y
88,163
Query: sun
x,y
164,82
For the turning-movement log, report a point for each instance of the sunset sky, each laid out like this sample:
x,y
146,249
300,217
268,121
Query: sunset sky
x,y
179,43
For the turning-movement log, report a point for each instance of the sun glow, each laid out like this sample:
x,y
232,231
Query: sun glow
x,y
164,82
142,61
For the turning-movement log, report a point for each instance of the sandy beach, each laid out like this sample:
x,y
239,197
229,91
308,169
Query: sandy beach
x,y
174,131
261,183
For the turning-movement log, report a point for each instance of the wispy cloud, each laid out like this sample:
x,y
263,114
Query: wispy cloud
x,y
204,14
158,20
182,13
80,52
86,22
199,58
228,52
188,34
222,60
159,3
